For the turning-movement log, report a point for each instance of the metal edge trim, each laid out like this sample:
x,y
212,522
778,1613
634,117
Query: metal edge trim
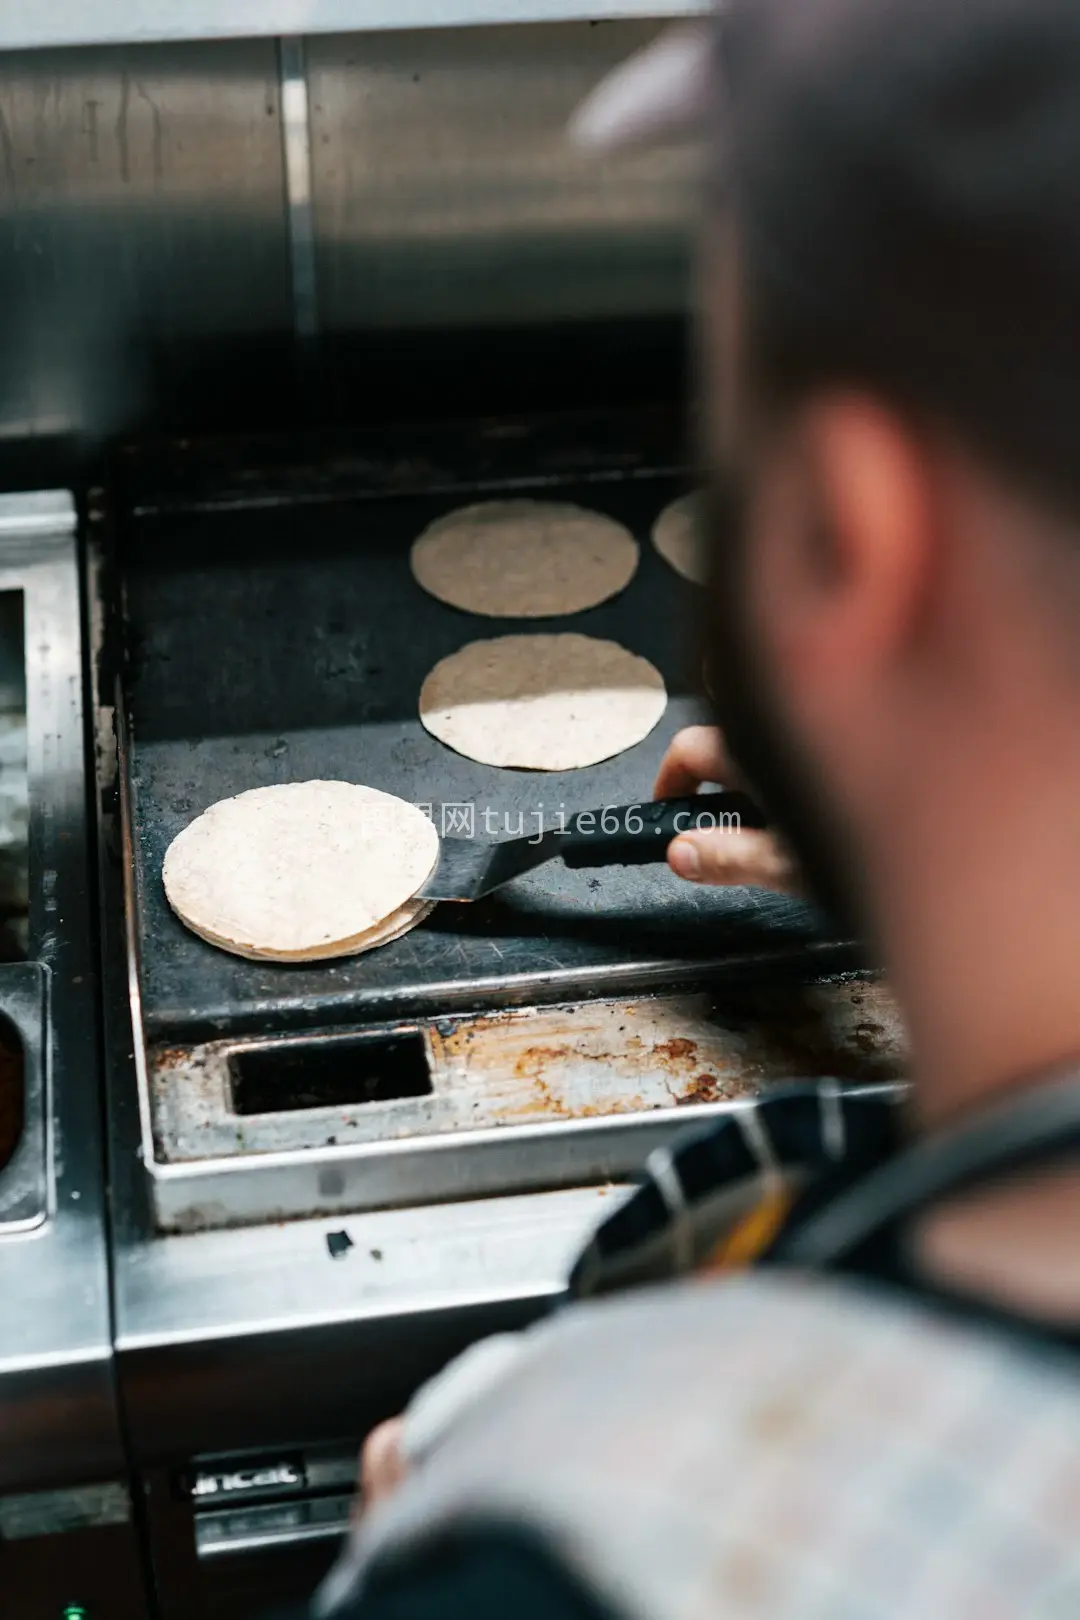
x,y
468,1296
131,931
448,1142
825,959
35,512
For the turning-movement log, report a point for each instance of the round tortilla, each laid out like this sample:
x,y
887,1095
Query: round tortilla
x,y
542,703
524,559
677,537
303,871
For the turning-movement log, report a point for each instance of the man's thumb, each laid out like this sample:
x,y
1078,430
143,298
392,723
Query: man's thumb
x,y
718,856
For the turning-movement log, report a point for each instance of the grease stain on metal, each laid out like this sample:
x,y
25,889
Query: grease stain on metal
x,y
548,1065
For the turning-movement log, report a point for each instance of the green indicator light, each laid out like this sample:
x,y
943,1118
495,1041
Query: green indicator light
x,y
75,1611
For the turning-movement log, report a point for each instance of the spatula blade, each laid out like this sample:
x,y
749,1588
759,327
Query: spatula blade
x,y
460,871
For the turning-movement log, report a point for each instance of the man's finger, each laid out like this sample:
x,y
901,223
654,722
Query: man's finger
x,y
695,755
716,856
382,1465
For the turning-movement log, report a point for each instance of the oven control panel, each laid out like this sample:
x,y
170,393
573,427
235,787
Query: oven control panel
x,y
255,1502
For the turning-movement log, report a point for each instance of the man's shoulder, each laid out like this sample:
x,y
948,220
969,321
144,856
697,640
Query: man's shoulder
x,y
673,1445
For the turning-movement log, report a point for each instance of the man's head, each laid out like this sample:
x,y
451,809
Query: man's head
x,y
891,300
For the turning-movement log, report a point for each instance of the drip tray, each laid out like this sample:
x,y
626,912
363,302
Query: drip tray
x,y
471,1106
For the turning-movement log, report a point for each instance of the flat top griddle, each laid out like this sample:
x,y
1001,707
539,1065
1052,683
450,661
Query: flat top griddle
x,y
275,634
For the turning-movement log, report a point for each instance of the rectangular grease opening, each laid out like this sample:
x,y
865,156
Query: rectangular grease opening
x,y
14,797
12,1089
334,1072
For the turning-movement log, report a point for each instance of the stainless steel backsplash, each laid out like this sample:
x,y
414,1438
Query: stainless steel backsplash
x,y
154,242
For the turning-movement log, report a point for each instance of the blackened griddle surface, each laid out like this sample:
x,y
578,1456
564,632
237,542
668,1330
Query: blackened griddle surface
x,y
277,635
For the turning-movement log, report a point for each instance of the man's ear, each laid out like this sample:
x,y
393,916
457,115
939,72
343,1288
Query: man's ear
x,y
860,557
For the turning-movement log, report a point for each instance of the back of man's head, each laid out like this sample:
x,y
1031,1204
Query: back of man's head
x,y
905,175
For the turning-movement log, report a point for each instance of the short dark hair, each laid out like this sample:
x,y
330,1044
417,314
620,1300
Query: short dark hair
x,y
906,180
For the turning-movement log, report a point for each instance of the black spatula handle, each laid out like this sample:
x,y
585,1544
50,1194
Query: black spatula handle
x,y
639,834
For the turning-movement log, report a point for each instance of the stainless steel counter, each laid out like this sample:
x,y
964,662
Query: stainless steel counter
x,y
228,1340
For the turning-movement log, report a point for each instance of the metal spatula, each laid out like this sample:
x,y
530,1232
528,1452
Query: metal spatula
x,y
628,835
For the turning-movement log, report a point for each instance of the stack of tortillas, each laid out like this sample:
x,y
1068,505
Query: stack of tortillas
x,y
302,872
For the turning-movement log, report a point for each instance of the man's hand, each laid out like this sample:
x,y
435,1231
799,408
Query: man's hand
x,y
716,855
382,1464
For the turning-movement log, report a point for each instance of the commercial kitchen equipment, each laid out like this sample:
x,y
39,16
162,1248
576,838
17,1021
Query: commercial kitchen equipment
x,y
64,1472
268,305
